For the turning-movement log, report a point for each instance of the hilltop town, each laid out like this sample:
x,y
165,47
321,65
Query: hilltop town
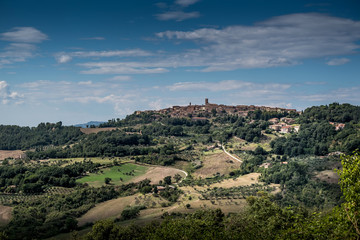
x,y
198,112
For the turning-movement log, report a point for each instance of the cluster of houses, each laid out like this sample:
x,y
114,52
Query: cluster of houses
x,y
338,126
282,125
209,108
268,164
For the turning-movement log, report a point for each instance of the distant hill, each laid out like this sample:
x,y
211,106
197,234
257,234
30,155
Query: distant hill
x,y
88,124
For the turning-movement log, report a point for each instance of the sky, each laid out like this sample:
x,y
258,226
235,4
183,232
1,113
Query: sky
x,y
77,61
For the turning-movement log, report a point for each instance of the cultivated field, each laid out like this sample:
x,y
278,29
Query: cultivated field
x,y
113,208
118,174
10,154
5,215
96,130
247,179
155,174
216,163
329,176
108,209
192,196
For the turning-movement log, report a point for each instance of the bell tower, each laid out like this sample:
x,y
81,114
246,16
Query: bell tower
x,y
206,101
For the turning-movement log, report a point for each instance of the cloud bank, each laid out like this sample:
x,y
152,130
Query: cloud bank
x,y
280,41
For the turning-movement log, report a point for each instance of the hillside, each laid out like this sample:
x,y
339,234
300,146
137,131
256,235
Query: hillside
x,y
209,168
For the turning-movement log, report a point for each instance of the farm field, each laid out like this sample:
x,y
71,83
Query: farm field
x,y
114,207
5,215
126,172
192,196
218,162
10,154
328,176
155,174
96,130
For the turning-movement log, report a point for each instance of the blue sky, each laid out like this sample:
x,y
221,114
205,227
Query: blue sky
x,y
76,61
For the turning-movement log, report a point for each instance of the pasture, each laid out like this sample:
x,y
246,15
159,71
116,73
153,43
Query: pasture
x,y
118,174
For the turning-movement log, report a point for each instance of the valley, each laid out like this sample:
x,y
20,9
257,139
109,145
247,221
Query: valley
x,y
155,167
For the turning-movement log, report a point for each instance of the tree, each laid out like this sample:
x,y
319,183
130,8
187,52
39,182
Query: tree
x,y
167,180
177,177
107,180
350,186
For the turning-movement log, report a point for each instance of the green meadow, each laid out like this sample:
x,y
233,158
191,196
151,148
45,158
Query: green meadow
x,y
126,172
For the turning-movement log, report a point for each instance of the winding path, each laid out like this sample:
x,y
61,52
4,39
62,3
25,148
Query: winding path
x,y
186,174
232,156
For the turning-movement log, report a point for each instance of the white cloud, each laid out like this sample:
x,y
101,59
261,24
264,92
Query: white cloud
x,y
17,52
114,53
120,68
227,85
177,15
93,38
22,46
338,61
350,94
24,34
279,41
66,57
186,3
86,92
156,105
85,83
6,95
63,58
120,78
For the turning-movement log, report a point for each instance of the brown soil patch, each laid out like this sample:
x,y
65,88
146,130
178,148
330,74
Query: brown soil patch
x,y
226,206
245,180
217,163
96,130
328,176
5,215
10,154
108,209
155,174
114,207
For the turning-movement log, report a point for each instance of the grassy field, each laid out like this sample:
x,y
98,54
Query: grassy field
x,y
126,171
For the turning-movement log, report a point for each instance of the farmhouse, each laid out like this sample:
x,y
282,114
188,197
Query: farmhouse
x,y
275,127
160,188
273,120
265,165
286,129
338,126
287,120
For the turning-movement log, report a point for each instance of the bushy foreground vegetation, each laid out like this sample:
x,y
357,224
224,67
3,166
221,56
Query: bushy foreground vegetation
x,y
263,219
